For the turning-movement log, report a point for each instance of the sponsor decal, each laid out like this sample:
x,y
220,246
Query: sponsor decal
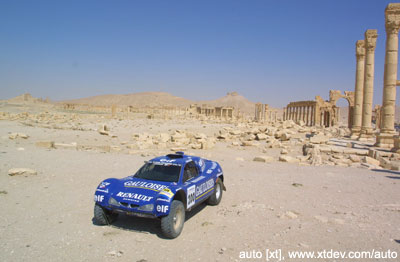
x,y
98,198
167,160
145,185
102,190
204,188
201,164
191,196
104,184
162,208
163,199
134,196
197,179
211,169
167,192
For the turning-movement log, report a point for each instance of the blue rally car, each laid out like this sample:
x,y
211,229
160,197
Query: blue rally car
x,y
164,187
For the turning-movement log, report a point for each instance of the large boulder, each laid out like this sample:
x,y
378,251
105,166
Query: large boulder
x,y
370,160
319,139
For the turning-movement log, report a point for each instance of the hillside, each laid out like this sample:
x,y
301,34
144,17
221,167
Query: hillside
x,y
233,99
149,99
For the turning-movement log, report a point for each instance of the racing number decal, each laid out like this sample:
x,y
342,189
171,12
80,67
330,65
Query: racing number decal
x,y
191,196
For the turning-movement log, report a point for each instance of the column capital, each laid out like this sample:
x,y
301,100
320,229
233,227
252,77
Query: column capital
x,y
392,18
360,49
370,39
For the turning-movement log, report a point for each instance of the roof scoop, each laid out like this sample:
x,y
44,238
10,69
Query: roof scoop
x,y
178,154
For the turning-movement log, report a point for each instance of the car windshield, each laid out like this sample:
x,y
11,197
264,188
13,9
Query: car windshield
x,y
159,172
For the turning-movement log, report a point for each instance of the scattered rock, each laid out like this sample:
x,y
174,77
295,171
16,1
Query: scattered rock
x,y
45,144
288,159
370,160
21,171
289,214
297,185
18,135
115,253
319,139
265,159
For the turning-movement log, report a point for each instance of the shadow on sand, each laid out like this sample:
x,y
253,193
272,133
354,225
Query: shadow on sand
x,y
147,225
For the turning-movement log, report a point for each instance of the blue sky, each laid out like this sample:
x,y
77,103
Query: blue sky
x,y
269,51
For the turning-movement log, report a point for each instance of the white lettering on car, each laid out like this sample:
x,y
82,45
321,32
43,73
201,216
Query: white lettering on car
x,y
191,196
146,185
204,188
98,198
162,208
134,196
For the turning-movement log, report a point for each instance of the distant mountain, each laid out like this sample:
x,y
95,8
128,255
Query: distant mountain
x,y
156,99
26,98
148,99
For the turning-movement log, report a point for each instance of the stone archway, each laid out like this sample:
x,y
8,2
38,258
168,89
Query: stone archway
x,y
334,96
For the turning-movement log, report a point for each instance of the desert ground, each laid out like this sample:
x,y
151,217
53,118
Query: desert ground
x,y
339,200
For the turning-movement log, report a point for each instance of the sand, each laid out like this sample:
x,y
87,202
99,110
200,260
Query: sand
x,y
48,216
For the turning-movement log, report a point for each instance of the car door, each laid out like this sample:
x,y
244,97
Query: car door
x,y
198,187
190,180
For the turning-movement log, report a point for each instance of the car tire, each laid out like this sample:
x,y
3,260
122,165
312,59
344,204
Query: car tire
x,y
216,197
172,224
103,216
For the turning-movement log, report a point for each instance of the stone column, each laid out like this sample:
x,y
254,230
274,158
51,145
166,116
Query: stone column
x,y
359,89
307,115
370,44
387,132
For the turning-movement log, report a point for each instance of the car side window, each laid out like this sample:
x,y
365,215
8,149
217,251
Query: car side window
x,y
190,171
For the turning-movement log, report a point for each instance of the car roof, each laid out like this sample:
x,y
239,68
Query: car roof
x,y
178,158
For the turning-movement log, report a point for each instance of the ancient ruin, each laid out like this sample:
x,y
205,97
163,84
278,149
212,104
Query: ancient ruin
x,y
319,112
370,44
265,114
359,89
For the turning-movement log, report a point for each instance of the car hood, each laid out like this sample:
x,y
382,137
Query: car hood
x,y
137,191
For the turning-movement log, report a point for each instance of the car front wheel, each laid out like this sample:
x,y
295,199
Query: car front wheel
x,y
172,224
103,216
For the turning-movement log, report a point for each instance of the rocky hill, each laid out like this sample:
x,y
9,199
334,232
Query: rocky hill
x,y
149,99
154,99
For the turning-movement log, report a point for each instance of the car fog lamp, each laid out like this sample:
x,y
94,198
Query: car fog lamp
x,y
148,207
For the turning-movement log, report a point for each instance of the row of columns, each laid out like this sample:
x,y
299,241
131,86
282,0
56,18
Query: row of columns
x,y
364,88
301,113
365,52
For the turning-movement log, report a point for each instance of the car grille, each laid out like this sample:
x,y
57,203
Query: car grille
x,y
125,204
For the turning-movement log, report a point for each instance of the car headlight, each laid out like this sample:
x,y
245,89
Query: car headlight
x,y
113,202
148,207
